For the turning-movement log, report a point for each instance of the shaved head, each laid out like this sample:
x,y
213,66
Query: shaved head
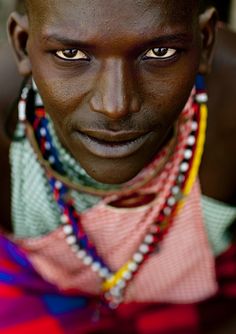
x,y
22,5
98,68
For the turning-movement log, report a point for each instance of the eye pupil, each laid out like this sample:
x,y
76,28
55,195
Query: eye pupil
x,y
160,52
70,53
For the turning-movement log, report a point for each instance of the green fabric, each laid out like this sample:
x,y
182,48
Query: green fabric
x,y
34,212
218,218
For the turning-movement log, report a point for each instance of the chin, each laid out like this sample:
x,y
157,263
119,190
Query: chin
x,y
112,177
112,172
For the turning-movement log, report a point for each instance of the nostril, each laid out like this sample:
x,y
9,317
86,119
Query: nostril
x,y
96,103
110,104
114,106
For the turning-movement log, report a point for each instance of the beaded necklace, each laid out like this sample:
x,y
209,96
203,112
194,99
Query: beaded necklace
x,y
113,284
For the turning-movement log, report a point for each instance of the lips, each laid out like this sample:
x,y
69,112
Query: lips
x,y
108,144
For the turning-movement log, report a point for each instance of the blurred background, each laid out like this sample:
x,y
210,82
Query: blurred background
x,y
227,11
226,8
6,7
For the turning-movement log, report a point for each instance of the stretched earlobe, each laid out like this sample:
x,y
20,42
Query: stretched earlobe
x,y
208,24
18,36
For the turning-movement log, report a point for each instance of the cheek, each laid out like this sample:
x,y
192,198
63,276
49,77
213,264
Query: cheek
x,y
165,92
63,90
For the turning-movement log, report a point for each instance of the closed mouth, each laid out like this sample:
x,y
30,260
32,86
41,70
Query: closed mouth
x,y
112,144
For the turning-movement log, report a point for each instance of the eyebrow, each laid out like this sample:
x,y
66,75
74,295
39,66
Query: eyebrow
x,y
65,40
174,38
181,38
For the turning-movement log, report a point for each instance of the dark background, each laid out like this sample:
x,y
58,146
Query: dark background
x,y
223,7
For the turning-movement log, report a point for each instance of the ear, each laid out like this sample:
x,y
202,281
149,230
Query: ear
x,y
18,32
208,24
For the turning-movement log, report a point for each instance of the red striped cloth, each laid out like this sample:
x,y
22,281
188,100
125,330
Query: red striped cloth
x,y
28,304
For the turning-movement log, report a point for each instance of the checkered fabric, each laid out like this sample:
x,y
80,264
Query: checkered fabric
x,y
180,271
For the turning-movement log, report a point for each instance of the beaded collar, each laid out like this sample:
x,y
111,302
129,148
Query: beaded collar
x,y
188,145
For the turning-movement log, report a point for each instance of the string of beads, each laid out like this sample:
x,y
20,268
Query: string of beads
x,y
114,283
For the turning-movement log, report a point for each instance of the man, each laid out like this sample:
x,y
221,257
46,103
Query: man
x,y
113,90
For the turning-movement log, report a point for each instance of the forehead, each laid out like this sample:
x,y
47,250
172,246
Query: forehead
x,y
93,17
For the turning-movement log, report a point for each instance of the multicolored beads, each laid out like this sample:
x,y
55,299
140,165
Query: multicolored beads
x,y
114,283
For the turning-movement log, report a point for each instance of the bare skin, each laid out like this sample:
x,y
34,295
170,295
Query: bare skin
x,y
117,90
217,173
89,98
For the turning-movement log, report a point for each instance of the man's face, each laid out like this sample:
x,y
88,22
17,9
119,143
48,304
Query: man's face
x,y
114,76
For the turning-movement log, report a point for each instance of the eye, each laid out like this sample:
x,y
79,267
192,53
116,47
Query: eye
x,y
160,53
72,55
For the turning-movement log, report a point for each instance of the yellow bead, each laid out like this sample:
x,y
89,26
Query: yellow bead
x,y
112,281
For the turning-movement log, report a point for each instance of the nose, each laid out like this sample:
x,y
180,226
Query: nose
x,y
115,93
